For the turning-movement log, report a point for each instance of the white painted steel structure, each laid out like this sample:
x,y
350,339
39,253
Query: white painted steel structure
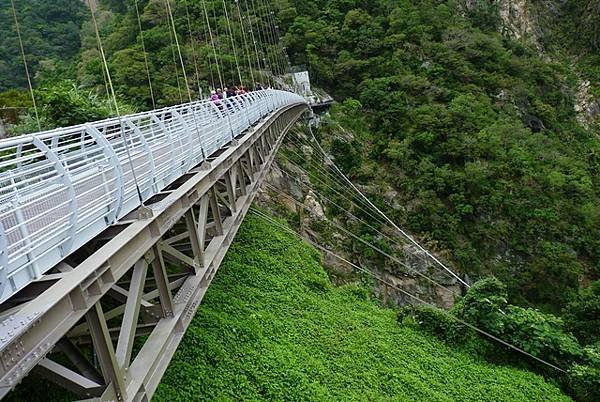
x,y
61,188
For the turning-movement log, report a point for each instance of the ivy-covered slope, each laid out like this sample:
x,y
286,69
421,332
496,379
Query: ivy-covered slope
x,y
272,327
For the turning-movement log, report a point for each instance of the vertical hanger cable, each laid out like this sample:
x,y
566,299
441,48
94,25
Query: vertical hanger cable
x,y
17,28
139,20
233,47
114,99
245,39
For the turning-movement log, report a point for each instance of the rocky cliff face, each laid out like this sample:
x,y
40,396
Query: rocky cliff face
x,y
519,21
541,23
586,105
309,211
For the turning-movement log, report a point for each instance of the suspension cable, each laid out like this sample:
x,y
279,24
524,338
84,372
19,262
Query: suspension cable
x,y
361,205
210,64
114,99
262,40
364,208
337,192
139,20
280,53
189,92
185,78
378,278
371,205
18,29
233,47
256,52
271,33
261,20
377,219
269,36
366,243
245,39
221,53
346,211
106,89
212,42
192,43
173,52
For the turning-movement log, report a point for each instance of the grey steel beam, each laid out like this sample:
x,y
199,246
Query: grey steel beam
x,y
162,282
216,211
79,360
201,226
131,314
69,379
103,346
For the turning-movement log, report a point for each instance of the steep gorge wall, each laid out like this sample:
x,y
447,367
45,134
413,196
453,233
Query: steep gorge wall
x,y
293,193
549,25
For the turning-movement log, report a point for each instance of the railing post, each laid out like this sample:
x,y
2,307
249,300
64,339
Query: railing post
x,y
227,103
117,168
149,155
179,117
3,259
246,100
167,133
65,177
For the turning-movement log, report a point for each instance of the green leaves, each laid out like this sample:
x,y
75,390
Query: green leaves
x,y
50,31
582,314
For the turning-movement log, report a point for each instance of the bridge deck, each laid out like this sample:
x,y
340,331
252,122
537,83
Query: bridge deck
x,y
61,188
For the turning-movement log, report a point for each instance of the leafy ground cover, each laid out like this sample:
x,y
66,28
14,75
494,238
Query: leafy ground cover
x,y
272,327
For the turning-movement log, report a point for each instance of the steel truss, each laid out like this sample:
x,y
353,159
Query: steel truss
x,y
145,275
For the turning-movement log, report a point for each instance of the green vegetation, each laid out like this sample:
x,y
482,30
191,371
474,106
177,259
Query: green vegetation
x,y
63,104
51,37
582,314
542,335
272,327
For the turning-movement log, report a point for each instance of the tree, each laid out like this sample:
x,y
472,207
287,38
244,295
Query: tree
x,y
582,314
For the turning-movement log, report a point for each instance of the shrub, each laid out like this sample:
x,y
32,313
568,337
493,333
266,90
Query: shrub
x,y
436,322
582,314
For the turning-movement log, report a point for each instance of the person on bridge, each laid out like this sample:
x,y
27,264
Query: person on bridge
x,y
215,98
230,91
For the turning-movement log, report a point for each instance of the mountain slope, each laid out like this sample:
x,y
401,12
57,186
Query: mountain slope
x,y
272,327
50,31
474,135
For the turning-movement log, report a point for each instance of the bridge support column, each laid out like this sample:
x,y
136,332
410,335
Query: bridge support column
x,y
131,314
105,351
162,282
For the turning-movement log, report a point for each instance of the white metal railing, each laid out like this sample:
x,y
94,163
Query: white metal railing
x,y
61,188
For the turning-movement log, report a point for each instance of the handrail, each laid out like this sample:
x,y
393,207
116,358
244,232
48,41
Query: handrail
x,y
61,188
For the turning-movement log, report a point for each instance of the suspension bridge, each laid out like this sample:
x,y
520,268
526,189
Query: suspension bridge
x,y
135,213
112,231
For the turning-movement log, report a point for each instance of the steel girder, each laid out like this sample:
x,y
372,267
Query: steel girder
x,y
145,275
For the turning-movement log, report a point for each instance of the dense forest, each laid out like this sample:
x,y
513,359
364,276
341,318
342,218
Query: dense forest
x,y
480,117
51,33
